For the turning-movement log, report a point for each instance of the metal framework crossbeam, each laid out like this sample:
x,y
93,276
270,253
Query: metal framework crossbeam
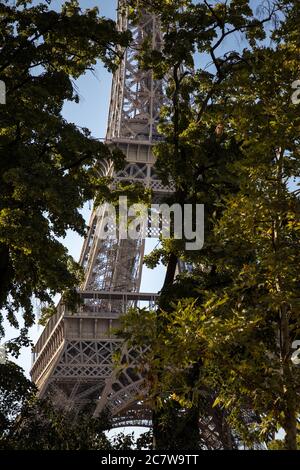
x,y
74,354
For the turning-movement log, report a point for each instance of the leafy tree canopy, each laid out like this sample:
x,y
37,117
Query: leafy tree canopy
x,y
232,142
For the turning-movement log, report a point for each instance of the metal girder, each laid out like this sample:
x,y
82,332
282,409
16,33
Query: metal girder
x,y
136,97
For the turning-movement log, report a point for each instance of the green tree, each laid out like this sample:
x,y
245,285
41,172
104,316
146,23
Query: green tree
x,y
261,223
15,391
48,167
43,426
232,142
30,423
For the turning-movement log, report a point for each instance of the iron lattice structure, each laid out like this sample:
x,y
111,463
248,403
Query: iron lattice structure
x,y
73,358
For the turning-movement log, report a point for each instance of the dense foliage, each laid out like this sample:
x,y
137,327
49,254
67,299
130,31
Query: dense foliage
x,y
226,330
30,423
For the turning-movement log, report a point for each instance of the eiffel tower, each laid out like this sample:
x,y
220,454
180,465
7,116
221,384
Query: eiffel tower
x,y
74,356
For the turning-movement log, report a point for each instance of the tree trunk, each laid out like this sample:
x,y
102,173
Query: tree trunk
x,y
174,430
4,273
290,418
159,435
171,271
290,427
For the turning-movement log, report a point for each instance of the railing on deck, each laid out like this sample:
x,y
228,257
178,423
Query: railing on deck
x,y
96,304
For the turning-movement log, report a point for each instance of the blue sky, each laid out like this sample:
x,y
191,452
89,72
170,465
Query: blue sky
x,y
94,88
